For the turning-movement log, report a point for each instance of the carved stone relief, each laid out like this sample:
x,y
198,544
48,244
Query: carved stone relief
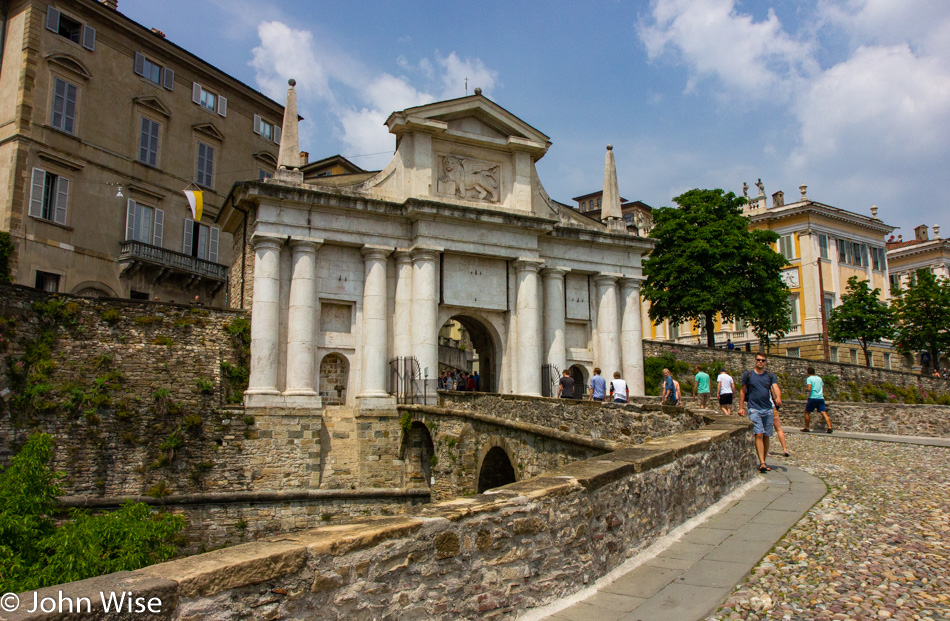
x,y
469,179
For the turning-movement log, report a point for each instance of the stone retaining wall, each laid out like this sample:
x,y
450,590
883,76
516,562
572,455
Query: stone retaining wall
x,y
495,554
629,424
795,369
890,418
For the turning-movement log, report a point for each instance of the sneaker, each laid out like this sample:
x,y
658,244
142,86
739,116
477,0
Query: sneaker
x,y
830,429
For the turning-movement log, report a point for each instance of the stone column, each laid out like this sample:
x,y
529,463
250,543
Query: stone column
x,y
528,315
631,336
402,338
375,318
425,310
265,316
301,317
554,339
608,328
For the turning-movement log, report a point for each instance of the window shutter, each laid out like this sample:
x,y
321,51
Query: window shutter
x,y
89,38
257,124
130,220
213,245
196,92
222,106
36,193
159,227
52,19
139,67
62,198
189,233
276,134
169,79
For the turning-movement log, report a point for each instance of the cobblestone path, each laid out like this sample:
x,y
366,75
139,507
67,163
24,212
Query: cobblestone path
x,y
876,547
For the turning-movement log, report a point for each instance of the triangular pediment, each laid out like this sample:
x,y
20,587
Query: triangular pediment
x,y
154,104
474,116
209,130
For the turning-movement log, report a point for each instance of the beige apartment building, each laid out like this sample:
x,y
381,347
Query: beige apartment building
x,y
103,124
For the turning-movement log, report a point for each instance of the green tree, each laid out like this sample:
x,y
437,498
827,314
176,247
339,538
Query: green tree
x,y
922,311
36,551
707,262
771,320
861,316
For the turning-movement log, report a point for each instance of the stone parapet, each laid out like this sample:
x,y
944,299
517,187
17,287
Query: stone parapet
x,y
503,552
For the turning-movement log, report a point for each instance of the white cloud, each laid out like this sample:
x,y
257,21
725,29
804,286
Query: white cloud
x,y
716,41
286,53
456,71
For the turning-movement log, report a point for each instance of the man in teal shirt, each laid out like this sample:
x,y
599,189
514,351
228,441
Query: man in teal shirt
x,y
701,387
816,399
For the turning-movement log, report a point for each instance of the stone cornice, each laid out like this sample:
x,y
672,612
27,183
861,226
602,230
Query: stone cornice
x,y
812,208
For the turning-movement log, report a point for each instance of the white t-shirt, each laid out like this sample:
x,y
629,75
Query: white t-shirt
x,y
725,380
620,389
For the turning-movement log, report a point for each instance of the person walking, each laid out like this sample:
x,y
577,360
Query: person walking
x,y
565,386
760,388
670,393
725,387
816,400
778,429
618,389
701,387
598,386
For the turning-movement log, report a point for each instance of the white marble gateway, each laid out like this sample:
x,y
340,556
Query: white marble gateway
x,y
367,267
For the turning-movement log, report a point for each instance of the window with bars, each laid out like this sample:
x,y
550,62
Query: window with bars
x,y
64,106
148,142
49,196
46,281
143,223
205,171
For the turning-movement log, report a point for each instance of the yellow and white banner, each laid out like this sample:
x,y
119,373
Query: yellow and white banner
x,y
196,202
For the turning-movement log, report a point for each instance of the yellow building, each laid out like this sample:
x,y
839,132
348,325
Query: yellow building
x,y
904,258
812,234
103,123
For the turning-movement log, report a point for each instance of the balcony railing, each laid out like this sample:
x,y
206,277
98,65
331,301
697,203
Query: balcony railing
x,y
131,250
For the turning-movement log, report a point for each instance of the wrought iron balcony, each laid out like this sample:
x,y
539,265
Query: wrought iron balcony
x,y
136,252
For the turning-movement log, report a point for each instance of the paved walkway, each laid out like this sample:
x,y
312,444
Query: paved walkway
x,y
688,576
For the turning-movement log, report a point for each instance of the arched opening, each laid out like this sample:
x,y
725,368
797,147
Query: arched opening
x,y
334,371
579,374
466,349
418,454
496,470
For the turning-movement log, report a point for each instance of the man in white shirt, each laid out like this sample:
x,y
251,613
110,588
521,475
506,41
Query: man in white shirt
x,y
618,388
725,392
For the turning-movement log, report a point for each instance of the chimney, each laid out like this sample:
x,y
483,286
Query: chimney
x,y
921,232
304,158
112,4
158,32
778,199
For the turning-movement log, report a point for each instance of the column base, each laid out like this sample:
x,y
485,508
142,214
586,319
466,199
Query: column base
x,y
374,402
274,399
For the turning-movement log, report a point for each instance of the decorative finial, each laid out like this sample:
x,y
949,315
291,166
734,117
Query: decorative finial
x,y
802,189
478,90
292,82
936,231
610,147
874,211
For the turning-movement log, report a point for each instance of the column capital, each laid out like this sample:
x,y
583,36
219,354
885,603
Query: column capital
x,y
606,278
552,271
376,252
630,282
264,240
425,253
305,244
402,256
528,265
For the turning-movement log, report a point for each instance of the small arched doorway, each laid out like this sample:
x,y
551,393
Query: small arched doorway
x,y
466,346
579,375
496,470
334,373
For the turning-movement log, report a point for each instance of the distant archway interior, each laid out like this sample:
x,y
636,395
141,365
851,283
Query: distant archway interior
x,y
465,346
579,375
496,470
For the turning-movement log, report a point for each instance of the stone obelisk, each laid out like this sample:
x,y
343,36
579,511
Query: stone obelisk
x,y
610,212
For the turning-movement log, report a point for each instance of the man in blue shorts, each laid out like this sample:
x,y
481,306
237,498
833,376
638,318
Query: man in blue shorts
x,y
760,389
816,399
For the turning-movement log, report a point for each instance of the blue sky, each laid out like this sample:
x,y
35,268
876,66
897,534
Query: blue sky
x,y
851,97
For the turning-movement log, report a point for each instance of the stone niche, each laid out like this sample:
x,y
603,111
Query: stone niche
x,y
469,179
